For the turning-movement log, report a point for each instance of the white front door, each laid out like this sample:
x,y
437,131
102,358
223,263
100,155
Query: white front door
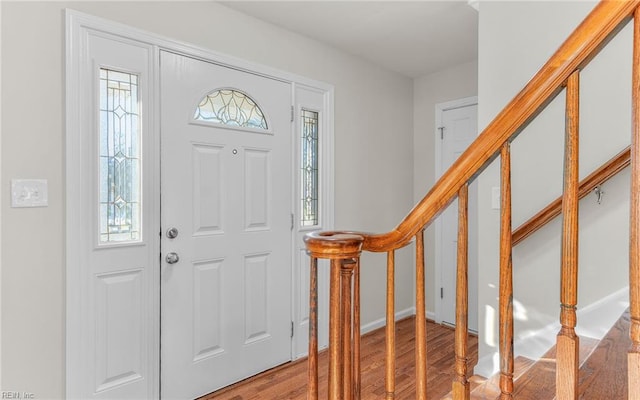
x,y
226,189
459,129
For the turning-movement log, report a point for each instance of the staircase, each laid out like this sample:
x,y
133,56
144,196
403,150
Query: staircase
x,y
602,370
569,372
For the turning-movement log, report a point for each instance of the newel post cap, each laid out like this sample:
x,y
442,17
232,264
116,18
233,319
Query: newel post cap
x,y
334,244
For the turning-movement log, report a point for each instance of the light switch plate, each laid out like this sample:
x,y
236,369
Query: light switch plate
x,y
29,193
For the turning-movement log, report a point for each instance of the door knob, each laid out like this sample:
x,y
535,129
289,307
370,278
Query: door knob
x,y
172,258
172,233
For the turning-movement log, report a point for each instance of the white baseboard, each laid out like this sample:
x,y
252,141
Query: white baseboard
x,y
379,323
594,321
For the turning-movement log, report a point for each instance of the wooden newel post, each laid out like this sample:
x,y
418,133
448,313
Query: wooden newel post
x,y
343,249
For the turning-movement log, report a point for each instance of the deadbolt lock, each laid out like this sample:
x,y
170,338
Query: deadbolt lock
x,y
172,233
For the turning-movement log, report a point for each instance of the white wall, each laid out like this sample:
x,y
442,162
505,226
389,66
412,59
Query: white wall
x,y
450,84
374,163
515,39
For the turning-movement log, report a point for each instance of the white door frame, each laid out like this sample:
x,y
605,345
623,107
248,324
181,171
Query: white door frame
x,y
77,26
440,109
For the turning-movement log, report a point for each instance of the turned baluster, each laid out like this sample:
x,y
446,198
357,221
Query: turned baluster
x,y
567,340
634,235
461,384
356,330
335,324
421,321
506,278
312,371
346,327
390,330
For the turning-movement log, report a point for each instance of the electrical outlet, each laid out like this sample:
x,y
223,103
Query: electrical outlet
x,y
29,193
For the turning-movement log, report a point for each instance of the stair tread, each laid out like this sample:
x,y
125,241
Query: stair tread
x,y
602,372
540,380
604,375
534,379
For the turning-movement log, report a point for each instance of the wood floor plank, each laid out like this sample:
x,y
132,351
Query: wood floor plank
x,y
289,381
489,389
602,372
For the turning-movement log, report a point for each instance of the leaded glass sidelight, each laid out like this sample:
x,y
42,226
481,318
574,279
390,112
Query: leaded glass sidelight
x,y
119,157
232,108
309,165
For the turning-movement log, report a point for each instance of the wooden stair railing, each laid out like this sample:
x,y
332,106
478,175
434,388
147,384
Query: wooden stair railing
x,y
343,249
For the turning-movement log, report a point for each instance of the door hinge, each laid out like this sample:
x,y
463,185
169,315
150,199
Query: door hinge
x,y
292,113
442,293
291,328
292,220
441,128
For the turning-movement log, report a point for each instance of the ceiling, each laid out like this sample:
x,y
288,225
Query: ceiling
x,y
414,38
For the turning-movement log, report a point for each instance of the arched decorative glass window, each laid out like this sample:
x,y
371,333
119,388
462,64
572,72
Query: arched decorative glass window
x,y
232,108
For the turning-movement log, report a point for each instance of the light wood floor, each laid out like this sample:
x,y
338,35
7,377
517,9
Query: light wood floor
x,y
289,381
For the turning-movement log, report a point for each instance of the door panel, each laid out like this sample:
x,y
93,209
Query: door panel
x,y
256,205
118,327
207,189
226,304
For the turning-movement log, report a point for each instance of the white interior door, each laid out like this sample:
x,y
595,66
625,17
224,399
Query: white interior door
x,y
226,189
459,129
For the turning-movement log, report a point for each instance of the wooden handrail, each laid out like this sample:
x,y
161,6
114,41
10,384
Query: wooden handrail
x,y
599,26
608,170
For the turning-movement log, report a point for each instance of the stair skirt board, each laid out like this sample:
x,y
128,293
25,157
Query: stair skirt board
x,y
594,321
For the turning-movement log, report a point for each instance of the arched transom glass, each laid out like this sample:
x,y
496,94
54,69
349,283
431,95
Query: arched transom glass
x,y
232,108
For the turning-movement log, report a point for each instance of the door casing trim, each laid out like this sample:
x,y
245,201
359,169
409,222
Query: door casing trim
x,y
440,108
